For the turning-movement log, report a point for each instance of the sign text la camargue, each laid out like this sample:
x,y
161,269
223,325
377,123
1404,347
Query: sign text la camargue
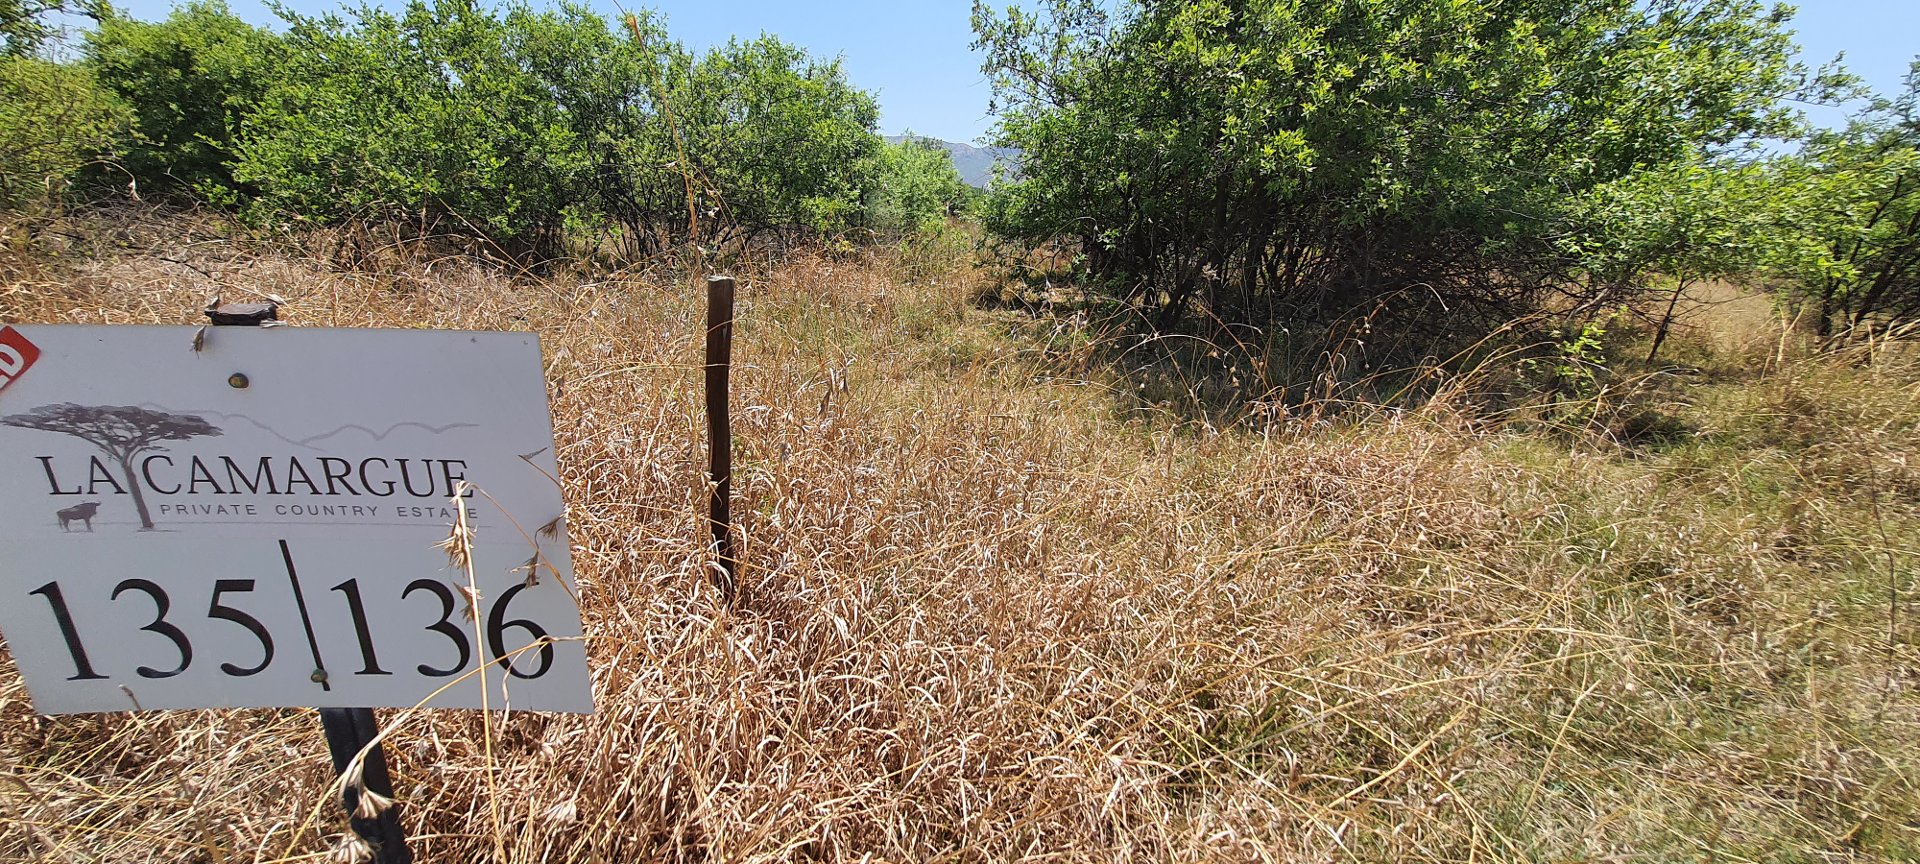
x,y
252,519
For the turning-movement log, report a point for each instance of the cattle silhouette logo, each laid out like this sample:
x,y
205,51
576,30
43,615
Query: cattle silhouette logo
x,y
123,432
79,513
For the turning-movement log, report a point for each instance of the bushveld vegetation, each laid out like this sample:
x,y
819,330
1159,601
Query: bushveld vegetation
x,y
1008,599
541,133
1522,467
1445,163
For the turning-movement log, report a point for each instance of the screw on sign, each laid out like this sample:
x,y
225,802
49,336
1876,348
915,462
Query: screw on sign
x,y
171,539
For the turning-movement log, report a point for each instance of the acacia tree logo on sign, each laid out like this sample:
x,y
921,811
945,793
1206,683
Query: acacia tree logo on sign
x,y
283,489
123,432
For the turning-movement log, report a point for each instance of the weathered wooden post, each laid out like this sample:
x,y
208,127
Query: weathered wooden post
x,y
348,730
719,431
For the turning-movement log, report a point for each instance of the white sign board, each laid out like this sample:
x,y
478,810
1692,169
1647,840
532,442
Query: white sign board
x,y
252,518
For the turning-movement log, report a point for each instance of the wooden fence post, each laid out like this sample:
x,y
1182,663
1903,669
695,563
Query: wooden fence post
x,y
720,432
348,730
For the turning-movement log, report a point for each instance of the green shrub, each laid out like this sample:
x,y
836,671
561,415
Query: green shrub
x,y
54,119
1316,158
427,113
1849,247
783,141
189,81
916,187
524,125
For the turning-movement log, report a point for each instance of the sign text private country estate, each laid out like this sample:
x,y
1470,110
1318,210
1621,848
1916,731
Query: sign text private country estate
x,y
260,517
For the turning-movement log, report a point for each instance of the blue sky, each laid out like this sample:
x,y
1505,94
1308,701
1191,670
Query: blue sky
x,y
915,55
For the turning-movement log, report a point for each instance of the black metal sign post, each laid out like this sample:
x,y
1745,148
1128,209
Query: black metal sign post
x,y
348,730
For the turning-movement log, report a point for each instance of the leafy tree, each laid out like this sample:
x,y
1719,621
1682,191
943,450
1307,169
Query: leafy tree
x,y
54,119
916,187
1306,158
606,83
521,126
751,138
1851,246
1666,229
189,81
24,29
783,141
123,432
428,112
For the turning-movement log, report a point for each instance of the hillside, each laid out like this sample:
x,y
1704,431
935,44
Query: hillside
x,y
975,164
1009,596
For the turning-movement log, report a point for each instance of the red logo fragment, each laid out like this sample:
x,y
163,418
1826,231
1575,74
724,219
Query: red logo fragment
x,y
16,355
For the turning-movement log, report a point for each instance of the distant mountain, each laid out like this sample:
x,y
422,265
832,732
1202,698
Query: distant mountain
x,y
975,164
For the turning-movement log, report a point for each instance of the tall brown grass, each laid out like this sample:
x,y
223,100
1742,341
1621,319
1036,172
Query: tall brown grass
x,y
996,611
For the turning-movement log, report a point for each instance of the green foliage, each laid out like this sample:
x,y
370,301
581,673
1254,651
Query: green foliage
x,y
529,128
1573,371
54,118
1664,229
1835,227
784,140
624,170
1686,221
24,29
189,81
519,125
431,111
1850,243
1315,157
917,187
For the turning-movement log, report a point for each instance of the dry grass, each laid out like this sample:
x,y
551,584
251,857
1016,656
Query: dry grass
x,y
994,611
